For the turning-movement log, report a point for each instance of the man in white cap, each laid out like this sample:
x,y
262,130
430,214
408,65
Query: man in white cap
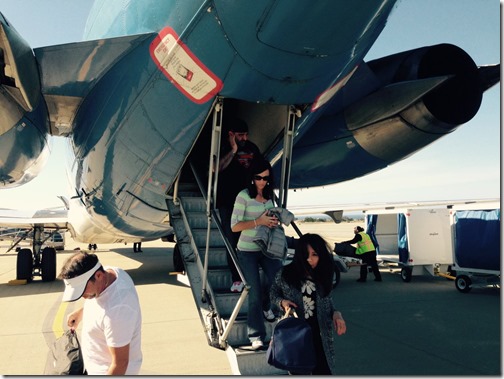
x,y
111,316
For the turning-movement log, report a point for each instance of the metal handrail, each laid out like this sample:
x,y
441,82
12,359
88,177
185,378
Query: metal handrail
x,y
230,250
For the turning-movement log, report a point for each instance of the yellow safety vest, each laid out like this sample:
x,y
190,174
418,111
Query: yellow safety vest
x,y
365,245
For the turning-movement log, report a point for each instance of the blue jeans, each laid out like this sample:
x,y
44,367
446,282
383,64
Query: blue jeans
x,y
258,298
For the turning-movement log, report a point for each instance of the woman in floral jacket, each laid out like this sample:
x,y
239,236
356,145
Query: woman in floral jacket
x,y
305,284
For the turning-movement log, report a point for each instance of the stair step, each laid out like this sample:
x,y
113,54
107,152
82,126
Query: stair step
x,y
251,363
220,279
193,204
199,220
200,236
238,336
216,257
226,302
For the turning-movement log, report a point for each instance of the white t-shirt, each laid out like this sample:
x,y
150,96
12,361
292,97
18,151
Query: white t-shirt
x,y
112,319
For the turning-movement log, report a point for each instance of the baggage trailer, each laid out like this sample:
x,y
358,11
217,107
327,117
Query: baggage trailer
x,y
476,245
414,240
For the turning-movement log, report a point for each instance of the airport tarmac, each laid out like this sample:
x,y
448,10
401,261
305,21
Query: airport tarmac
x,y
424,327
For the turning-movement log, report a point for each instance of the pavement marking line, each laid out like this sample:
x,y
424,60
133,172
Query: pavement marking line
x,y
58,320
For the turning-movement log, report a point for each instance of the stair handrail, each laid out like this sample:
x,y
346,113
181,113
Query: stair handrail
x,y
231,252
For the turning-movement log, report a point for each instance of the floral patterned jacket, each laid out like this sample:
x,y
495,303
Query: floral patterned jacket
x,y
280,290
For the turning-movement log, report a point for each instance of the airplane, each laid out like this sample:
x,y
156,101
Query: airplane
x,y
143,99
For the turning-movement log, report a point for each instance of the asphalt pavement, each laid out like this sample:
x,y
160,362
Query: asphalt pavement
x,y
424,327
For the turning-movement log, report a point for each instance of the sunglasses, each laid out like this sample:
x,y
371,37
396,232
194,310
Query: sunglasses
x,y
259,177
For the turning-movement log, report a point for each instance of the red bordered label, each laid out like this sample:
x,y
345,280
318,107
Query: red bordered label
x,y
183,68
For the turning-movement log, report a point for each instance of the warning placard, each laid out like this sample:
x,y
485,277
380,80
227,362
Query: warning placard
x,y
183,68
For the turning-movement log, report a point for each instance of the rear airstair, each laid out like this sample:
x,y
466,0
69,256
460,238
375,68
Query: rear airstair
x,y
201,247
223,313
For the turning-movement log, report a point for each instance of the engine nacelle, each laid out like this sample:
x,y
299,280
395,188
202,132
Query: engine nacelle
x,y
431,91
416,97
24,122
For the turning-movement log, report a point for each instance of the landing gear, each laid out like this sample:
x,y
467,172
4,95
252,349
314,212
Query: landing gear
x,y
35,262
92,246
48,264
24,265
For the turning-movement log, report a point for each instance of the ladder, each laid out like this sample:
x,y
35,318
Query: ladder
x,y
201,253
223,313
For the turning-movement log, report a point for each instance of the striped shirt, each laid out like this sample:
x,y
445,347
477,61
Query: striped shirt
x,y
248,209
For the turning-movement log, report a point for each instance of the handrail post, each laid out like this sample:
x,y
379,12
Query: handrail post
x,y
213,174
292,113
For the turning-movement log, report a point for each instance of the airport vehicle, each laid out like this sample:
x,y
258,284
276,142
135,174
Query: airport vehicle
x,y
476,232
433,237
143,100
56,240
418,241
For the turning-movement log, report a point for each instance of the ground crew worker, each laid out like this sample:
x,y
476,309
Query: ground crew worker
x,y
367,252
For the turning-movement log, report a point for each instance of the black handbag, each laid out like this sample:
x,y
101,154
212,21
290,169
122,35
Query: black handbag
x,y
64,356
291,346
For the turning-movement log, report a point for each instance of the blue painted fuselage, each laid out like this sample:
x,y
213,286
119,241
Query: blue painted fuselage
x,y
135,127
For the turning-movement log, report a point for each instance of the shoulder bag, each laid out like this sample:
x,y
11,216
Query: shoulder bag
x,y
64,356
291,346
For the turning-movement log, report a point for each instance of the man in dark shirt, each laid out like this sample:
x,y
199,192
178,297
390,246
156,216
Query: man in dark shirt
x,y
237,152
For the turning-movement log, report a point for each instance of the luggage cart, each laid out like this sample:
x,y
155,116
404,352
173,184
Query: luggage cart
x,y
476,242
416,241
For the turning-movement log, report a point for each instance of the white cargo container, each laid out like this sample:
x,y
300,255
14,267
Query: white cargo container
x,y
418,241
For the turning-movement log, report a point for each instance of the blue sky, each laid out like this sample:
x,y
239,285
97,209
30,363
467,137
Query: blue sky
x,y
462,165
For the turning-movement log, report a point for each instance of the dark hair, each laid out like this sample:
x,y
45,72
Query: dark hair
x,y
295,272
78,264
236,125
359,228
256,167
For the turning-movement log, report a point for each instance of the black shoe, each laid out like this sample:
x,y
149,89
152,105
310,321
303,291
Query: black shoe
x,y
140,251
361,280
377,280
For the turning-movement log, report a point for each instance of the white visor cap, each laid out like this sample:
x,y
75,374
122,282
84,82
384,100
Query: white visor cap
x,y
74,287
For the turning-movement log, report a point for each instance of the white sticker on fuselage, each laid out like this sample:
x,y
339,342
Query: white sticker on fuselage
x,y
184,70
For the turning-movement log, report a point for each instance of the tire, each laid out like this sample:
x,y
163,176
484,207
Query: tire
x,y
463,283
48,264
406,274
336,276
178,264
24,265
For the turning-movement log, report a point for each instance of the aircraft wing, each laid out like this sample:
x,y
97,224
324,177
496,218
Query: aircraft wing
x,y
55,218
336,211
82,64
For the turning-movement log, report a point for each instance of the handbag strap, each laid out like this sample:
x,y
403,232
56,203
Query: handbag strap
x,y
290,312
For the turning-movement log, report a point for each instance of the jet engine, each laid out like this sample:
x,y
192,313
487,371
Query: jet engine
x,y
411,99
24,121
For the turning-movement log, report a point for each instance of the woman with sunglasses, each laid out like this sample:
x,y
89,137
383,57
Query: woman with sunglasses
x,y
249,212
